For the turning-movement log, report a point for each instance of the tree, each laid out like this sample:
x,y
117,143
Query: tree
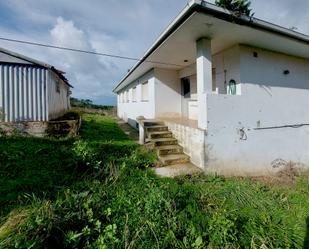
x,y
239,7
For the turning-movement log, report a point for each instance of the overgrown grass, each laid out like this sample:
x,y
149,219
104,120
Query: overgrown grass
x,y
97,191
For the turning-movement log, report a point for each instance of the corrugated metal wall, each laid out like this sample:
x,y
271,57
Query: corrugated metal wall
x,y
23,93
58,100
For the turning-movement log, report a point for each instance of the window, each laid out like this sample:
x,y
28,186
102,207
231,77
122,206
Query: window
x,y
232,87
134,94
124,97
214,79
127,96
58,86
145,91
69,92
186,88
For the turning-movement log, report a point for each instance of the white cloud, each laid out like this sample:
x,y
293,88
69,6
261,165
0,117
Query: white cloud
x,y
91,75
64,33
117,27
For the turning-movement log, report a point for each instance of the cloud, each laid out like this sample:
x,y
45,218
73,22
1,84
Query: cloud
x,y
117,27
286,13
91,75
125,28
64,33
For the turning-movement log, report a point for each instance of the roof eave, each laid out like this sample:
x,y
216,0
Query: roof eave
x,y
229,16
61,76
208,8
186,12
25,58
36,62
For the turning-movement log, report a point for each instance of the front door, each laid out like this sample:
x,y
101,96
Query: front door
x,y
185,96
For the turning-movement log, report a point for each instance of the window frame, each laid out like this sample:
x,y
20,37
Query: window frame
x,y
134,97
143,99
127,96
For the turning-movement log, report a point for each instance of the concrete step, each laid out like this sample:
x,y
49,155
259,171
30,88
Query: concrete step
x,y
164,141
160,134
156,128
169,149
150,122
178,170
174,159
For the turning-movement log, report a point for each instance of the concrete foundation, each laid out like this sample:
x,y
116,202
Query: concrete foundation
x,y
67,128
192,140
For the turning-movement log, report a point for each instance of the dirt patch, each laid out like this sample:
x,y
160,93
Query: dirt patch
x,y
285,176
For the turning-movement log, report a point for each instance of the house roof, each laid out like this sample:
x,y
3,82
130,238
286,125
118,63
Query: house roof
x,y
59,73
202,19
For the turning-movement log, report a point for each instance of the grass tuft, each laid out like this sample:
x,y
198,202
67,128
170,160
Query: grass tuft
x,y
99,191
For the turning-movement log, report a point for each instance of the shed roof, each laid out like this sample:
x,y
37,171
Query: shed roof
x,y
59,73
188,25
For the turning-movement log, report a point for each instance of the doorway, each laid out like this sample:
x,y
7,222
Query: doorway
x,y
185,96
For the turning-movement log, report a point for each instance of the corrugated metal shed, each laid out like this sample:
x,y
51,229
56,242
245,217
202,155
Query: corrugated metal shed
x,y
23,92
30,90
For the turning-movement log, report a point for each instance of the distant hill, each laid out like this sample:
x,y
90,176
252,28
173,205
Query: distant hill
x,y
87,103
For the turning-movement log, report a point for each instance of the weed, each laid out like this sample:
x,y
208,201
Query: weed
x,y
99,191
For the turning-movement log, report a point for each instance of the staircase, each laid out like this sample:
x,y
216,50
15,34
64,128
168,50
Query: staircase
x,y
166,146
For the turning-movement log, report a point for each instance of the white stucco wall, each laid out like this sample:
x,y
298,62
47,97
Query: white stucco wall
x,y
130,110
187,71
189,105
235,144
58,102
227,67
165,97
268,98
167,93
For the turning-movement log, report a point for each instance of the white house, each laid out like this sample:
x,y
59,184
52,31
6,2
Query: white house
x,y
31,90
234,91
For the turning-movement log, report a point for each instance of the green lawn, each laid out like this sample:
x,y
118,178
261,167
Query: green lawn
x,y
98,191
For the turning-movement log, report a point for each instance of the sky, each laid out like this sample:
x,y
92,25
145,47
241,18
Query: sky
x,y
121,27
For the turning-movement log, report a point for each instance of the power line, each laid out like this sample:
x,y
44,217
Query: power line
x,y
85,51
